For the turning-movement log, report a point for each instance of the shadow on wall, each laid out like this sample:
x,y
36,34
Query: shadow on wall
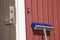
x,y
40,32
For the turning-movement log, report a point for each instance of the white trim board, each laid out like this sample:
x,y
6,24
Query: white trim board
x,y
20,20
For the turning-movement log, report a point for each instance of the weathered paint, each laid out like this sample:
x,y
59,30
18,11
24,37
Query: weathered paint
x,y
45,11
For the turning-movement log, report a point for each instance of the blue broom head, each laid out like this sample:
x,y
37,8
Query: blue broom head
x,y
41,25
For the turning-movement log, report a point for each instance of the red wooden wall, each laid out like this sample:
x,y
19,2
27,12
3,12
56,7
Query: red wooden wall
x,y
45,11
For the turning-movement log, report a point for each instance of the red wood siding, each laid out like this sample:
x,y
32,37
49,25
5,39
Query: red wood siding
x,y
45,11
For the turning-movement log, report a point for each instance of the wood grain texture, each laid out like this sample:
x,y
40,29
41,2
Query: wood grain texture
x,y
40,15
45,11
55,18
29,32
7,32
59,17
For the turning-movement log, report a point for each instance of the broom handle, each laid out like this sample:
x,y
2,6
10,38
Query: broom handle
x,y
45,34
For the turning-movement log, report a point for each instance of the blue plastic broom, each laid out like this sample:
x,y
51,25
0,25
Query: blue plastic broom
x,y
42,26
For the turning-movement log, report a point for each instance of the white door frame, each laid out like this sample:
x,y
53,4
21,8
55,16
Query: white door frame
x,y
20,20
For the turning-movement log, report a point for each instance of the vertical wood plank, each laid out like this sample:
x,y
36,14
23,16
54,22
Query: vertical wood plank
x,y
34,10
45,13
59,16
40,12
12,28
50,10
55,17
5,29
6,14
1,19
34,16
40,16
29,32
